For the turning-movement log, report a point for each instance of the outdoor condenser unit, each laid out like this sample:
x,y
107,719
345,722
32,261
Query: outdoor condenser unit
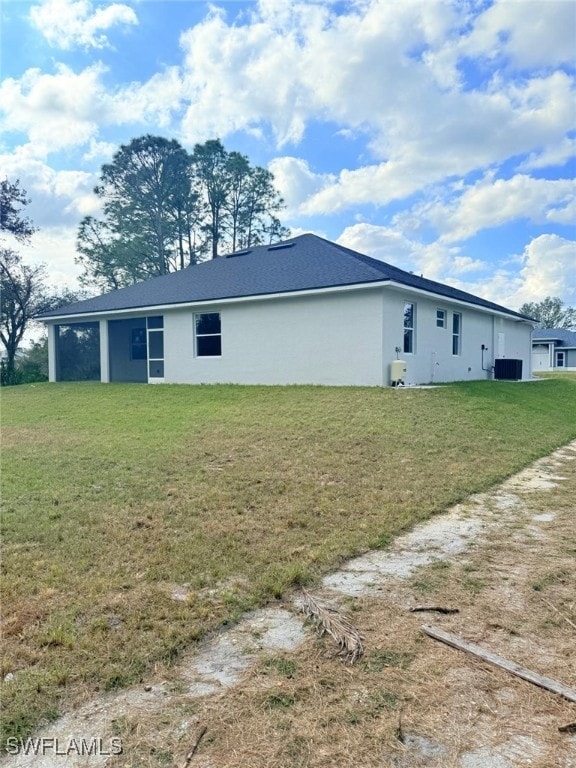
x,y
507,369
397,372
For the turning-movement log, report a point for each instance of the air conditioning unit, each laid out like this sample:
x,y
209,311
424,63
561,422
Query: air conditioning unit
x,y
506,369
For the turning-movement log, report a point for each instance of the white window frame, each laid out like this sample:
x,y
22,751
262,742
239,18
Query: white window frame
x,y
206,335
560,355
410,330
441,318
456,334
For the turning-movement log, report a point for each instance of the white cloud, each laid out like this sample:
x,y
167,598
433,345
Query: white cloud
x,y
382,243
68,109
100,150
491,203
55,247
296,182
63,196
236,76
529,34
549,270
437,136
297,63
68,24
547,267
556,154
154,102
55,111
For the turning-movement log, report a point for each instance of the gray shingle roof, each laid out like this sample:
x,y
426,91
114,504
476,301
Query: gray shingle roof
x,y
562,336
306,262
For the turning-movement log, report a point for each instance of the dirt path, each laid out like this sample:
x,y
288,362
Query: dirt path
x,y
271,694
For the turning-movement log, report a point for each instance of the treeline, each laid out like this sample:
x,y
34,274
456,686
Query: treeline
x,y
23,291
164,209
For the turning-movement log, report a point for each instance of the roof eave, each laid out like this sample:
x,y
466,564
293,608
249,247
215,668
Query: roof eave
x,y
508,313
148,308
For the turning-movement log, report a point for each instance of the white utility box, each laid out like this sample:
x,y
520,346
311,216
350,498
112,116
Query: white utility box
x,y
397,372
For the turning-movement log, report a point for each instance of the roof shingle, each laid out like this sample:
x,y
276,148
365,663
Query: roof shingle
x,y
302,263
562,336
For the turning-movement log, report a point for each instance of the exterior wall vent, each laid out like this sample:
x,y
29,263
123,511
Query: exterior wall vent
x,y
281,246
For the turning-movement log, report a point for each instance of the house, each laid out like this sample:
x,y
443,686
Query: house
x,y
303,311
553,349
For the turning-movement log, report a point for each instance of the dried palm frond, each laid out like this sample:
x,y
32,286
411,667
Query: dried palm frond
x,y
329,620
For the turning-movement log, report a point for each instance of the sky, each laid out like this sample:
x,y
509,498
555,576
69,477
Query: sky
x,y
437,136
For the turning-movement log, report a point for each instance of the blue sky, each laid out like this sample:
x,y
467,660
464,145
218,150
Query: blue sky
x,y
438,136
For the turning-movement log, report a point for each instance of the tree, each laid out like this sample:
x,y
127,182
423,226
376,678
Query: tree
x,y
550,313
252,203
23,290
12,200
240,201
211,180
148,208
32,365
164,209
22,287
24,297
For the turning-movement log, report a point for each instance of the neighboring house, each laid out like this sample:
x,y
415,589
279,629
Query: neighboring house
x,y
304,311
553,349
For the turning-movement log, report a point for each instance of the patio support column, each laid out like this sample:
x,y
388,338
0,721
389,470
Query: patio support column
x,y
104,355
52,352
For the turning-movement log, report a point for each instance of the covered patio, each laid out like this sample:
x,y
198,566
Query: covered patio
x,y
126,350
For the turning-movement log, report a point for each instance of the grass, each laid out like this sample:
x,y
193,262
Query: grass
x,y
408,686
116,495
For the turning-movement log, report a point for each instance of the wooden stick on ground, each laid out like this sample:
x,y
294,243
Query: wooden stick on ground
x,y
498,661
433,608
195,746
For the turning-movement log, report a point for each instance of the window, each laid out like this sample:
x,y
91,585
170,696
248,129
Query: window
x,y
208,334
440,318
409,318
456,333
138,349
560,360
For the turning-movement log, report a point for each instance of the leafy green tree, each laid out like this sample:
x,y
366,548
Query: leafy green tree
x,y
164,209
12,200
251,204
148,207
32,364
211,181
550,313
240,201
22,287
24,297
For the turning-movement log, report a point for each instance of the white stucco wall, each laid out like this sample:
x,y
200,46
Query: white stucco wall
x,y
324,339
345,337
432,359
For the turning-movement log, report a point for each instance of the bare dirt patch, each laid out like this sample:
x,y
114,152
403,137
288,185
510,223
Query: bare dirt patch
x,y
271,694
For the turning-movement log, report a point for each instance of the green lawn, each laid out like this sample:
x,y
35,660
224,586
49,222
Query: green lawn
x,y
116,494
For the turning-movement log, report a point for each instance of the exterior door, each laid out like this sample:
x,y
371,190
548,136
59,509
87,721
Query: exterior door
x,y
155,330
